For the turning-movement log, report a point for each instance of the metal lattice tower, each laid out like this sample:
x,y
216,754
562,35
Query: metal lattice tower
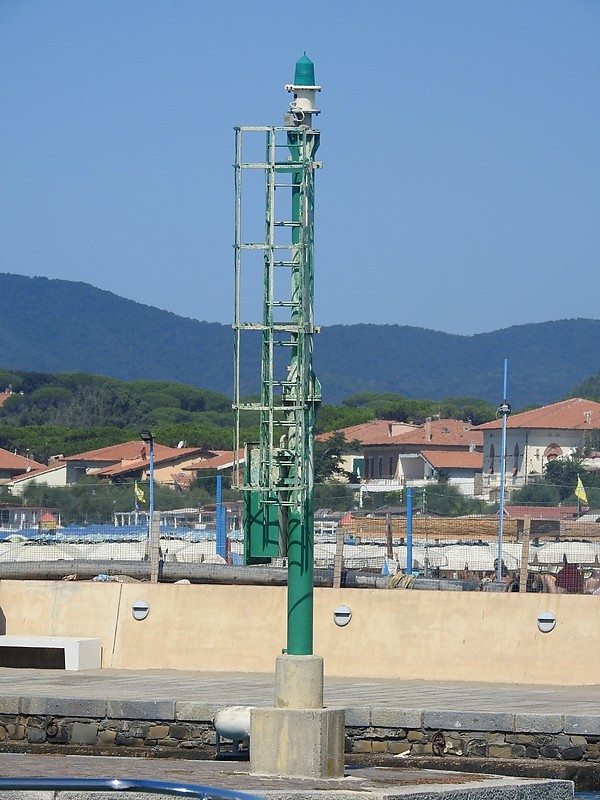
x,y
278,468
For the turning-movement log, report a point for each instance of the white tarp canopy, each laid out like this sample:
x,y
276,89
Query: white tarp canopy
x,y
196,552
115,551
16,551
575,552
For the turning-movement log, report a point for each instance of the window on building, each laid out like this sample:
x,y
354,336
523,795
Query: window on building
x,y
553,451
492,459
391,465
380,467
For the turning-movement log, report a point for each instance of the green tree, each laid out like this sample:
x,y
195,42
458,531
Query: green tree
x,y
10,380
589,388
43,441
446,500
333,418
536,494
591,442
467,408
562,473
94,502
50,397
335,496
328,457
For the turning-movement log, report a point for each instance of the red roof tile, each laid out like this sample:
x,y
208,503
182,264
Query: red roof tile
x,y
541,512
17,463
173,456
443,432
376,431
437,432
221,461
56,465
127,451
573,414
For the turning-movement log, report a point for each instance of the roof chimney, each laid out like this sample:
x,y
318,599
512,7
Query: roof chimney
x,y
428,429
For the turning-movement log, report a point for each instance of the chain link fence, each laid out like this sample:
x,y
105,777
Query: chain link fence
x,y
537,555
361,549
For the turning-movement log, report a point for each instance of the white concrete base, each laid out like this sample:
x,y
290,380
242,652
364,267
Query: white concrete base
x,y
32,651
305,743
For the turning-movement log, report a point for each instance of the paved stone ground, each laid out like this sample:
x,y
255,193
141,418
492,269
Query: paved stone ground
x,y
26,686
225,689
364,783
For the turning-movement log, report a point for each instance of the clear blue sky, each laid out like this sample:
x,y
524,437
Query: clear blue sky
x,y
460,142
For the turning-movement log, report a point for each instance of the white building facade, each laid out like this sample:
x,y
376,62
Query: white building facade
x,y
533,438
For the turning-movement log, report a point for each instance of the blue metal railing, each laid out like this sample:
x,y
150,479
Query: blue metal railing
x,y
121,785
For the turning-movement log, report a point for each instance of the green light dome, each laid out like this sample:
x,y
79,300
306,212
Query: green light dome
x,y
305,72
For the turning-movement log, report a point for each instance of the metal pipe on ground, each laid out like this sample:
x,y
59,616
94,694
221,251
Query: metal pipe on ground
x,y
169,572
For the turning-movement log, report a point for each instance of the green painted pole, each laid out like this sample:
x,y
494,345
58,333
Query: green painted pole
x,y
303,145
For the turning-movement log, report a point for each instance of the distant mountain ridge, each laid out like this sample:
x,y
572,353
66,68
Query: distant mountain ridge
x,y
56,326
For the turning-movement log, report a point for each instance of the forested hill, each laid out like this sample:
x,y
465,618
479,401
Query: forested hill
x,y
64,326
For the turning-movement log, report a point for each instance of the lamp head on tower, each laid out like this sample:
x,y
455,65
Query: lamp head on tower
x,y
304,90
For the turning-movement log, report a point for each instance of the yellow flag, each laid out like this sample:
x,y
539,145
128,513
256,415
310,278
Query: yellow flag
x,y
139,494
580,492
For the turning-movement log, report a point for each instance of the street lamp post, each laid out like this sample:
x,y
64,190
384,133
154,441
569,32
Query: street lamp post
x,y
147,437
503,410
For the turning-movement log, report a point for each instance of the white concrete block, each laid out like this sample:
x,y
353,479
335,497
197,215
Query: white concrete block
x,y
79,653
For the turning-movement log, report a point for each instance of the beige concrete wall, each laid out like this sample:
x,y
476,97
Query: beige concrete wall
x,y
460,636
451,636
201,627
65,608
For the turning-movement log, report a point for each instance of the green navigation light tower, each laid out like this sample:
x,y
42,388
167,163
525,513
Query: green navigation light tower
x,y
277,481
274,176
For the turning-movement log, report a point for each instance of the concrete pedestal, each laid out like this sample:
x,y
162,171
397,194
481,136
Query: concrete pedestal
x,y
299,682
294,742
298,737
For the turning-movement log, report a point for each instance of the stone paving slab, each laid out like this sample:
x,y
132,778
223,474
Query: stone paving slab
x,y
220,689
178,695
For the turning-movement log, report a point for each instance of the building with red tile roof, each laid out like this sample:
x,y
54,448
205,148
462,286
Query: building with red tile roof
x,y
575,414
55,474
533,438
14,518
222,461
397,456
12,465
375,431
460,468
392,451
541,512
451,460
131,461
